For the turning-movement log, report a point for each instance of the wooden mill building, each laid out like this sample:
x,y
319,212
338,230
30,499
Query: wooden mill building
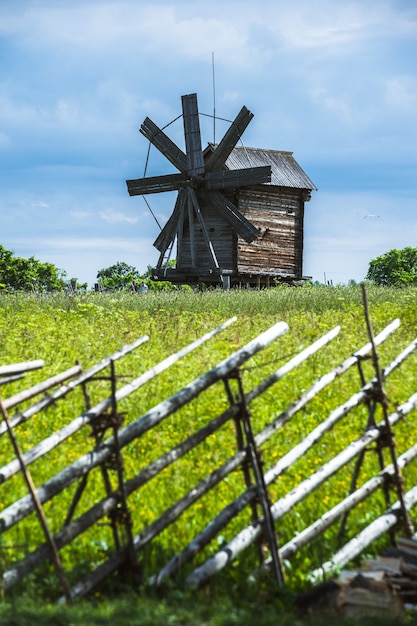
x,y
275,208
277,211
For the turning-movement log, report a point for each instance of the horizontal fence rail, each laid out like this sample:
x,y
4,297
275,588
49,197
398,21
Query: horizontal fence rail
x,y
107,456
16,371
63,390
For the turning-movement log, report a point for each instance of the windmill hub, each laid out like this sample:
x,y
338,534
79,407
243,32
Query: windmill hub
x,y
194,182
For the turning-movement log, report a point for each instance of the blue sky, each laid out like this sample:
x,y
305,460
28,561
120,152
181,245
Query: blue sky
x,y
334,82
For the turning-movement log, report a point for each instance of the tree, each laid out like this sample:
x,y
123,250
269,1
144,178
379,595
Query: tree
x,y
158,285
394,268
17,273
118,276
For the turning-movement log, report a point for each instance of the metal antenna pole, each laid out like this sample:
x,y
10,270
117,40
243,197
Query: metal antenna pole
x,y
214,99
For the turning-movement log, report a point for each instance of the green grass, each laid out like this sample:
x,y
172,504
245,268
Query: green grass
x,y
86,327
227,608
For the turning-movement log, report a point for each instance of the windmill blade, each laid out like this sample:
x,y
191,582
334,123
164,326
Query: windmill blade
x,y
164,257
154,184
191,229
227,209
193,199
163,143
170,229
229,141
195,160
180,225
238,178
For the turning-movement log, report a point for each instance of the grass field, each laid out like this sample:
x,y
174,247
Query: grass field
x,y
85,327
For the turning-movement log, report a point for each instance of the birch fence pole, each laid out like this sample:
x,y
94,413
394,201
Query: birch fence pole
x,y
374,530
62,391
313,531
20,368
39,510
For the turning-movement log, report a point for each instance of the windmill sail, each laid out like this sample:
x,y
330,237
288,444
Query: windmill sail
x,y
229,141
195,160
155,184
201,185
163,143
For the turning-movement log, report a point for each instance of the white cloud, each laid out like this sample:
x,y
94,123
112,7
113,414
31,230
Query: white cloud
x,y
338,27
336,104
39,204
401,93
80,215
116,217
67,112
101,26
4,139
13,111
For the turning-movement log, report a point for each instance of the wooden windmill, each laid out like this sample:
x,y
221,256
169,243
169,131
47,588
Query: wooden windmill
x,y
206,223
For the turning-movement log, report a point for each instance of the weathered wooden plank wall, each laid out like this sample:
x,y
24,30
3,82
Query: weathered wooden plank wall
x,y
279,215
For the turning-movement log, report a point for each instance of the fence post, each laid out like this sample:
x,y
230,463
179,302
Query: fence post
x,y
123,511
38,506
371,404
245,436
241,444
389,436
99,425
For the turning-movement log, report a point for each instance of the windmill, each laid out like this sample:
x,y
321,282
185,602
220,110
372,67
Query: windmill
x,y
205,220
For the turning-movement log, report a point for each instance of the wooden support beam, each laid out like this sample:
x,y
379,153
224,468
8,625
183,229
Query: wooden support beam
x,y
373,531
313,531
45,385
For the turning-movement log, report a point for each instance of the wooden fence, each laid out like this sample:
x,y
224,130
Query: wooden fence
x,y
253,513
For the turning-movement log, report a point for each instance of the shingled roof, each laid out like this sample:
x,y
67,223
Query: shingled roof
x,y
285,170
